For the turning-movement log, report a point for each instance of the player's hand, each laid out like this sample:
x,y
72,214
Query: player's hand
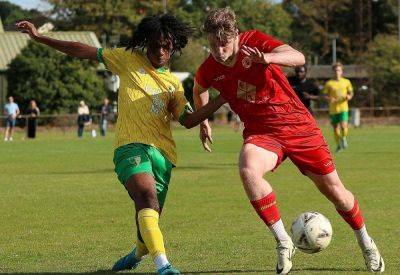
x,y
255,55
333,99
27,27
205,135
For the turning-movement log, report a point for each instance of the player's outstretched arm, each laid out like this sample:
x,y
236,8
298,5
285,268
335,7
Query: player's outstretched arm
x,y
201,97
193,119
74,49
283,55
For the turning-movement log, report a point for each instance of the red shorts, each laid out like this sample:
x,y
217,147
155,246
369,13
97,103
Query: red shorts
x,y
308,151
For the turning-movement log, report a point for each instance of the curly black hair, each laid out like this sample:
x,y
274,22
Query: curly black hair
x,y
152,27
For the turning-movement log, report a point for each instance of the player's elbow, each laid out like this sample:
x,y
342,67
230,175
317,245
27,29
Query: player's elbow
x,y
188,123
301,60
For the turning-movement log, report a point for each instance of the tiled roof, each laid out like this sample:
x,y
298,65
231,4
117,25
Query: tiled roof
x,y
11,43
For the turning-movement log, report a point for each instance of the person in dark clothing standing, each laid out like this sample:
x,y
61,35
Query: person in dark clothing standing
x,y
106,110
32,113
306,89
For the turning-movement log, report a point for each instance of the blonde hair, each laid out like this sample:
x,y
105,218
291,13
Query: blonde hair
x,y
336,65
221,23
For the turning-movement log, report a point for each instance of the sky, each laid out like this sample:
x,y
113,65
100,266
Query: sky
x,y
31,4
38,4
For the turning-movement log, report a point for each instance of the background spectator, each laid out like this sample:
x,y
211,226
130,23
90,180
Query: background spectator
x,y
306,89
83,117
11,111
106,110
32,113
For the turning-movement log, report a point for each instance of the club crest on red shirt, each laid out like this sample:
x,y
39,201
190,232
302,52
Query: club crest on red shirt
x,y
246,62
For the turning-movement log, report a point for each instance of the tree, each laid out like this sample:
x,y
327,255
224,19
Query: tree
x,y
56,81
383,61
115,19
11,13
314,21
192,56
256,14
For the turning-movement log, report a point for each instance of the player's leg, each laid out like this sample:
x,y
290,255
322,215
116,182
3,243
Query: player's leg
x,y
347,206
136,165
254,162
337,133
344,127
316,162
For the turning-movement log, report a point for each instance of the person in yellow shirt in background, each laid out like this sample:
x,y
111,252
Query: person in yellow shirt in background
x,y
338,92
149,97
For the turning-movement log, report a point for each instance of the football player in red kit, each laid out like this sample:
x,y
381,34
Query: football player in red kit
x,y
244,68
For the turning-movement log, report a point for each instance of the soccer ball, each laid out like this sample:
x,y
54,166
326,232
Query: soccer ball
x,y
311,232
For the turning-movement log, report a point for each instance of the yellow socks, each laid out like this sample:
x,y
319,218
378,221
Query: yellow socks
x,y
338,135
151,233
345,132
141,249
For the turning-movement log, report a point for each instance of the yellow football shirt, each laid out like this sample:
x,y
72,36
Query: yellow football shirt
x,y
148,98
338,89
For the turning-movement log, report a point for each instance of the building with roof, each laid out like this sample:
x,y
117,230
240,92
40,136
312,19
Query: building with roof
x,y
11,44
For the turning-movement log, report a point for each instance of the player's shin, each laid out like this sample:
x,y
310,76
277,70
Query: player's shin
x,y
356,221
337,135
268,211
152,236
141,249
345,131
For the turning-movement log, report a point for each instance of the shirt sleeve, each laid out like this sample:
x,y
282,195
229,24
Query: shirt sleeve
x,y
203,76
349,87
266,43
179,105
113,59
325,90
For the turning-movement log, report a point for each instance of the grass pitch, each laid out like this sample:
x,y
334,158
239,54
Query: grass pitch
x,y
63,210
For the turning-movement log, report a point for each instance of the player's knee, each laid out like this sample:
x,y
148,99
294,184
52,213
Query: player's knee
x,y
248,174
338,195
146,200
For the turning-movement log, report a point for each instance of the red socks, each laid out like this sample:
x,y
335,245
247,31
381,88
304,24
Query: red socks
x,y
267,209
353,217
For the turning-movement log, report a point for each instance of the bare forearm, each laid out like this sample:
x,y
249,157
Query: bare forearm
x,y
291,58
202,113
75,49
201,99
285,55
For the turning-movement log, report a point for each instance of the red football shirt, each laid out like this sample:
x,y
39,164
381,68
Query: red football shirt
x,y
259,93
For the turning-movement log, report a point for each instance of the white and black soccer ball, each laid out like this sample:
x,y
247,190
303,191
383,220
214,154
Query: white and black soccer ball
x,y
311,232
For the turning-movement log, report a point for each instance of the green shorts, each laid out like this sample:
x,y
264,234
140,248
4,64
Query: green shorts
x,y
138,158
340,117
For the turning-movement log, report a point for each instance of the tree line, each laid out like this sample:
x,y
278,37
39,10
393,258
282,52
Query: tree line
x,y
366,30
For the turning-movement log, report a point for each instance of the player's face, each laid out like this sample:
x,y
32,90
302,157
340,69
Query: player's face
x,y
159,51
301,73
338,72
222,50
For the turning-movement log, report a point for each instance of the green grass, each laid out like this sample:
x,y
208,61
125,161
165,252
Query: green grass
x,y
63,210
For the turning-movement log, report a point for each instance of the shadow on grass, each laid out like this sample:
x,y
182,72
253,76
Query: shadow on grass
x,y
328,269
216,166
103,272
77,172
315,270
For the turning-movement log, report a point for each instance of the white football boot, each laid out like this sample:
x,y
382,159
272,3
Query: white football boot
x,y
285,251
373,259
